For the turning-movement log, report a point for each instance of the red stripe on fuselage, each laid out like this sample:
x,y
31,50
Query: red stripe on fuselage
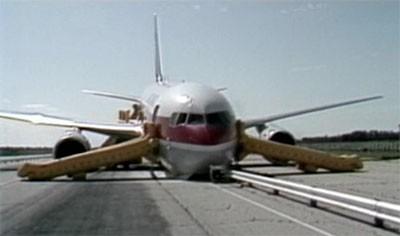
x,y
201,134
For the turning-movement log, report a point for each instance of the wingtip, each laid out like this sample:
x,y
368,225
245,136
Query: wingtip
x,y
376,97
92,92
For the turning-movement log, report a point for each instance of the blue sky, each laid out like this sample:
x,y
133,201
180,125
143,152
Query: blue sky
x,y
273,56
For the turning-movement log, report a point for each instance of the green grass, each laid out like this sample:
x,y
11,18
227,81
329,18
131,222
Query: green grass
x,y
367,151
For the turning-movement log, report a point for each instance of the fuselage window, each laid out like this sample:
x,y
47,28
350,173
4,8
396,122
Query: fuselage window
x,y
219,118
195,119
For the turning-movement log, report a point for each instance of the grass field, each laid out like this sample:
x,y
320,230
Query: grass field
x,y
368,150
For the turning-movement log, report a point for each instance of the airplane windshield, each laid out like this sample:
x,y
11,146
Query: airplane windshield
x,y
181,119
219,118
195,119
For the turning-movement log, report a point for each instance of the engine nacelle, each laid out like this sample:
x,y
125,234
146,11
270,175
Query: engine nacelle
x,y
278,135
70,144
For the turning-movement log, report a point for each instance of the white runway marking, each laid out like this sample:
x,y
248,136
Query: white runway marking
x,y
304,224
9,182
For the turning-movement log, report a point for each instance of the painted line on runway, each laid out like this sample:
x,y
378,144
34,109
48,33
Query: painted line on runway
x,y
304,224
9,182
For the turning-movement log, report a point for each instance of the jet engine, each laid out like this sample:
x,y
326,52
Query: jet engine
x,y
278,135
70,144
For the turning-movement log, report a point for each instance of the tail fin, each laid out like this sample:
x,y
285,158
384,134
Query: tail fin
x,y
158,65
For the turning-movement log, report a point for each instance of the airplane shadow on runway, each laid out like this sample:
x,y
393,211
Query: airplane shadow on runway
x,y
100,179
196,178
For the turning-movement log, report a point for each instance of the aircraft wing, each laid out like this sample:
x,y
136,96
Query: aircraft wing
x,y
128,130
260,121
116,96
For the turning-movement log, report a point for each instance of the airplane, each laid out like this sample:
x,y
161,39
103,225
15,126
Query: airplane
x,y
197,125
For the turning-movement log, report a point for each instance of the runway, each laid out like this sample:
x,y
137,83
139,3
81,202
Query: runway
x,y
134,203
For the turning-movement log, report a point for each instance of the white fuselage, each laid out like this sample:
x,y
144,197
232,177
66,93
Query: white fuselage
x,y
197,126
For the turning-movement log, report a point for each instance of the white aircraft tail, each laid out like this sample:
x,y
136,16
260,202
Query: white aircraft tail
x,y
158,65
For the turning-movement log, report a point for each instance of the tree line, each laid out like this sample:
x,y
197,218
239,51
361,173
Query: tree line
x,y
11,151
359,135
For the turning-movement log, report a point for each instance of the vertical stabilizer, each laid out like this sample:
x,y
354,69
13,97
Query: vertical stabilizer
x,y
158,65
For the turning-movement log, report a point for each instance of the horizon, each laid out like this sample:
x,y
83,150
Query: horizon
x,y
297,139
273,57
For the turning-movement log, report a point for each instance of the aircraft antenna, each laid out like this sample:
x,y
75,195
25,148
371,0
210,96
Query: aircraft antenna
x,y
158,64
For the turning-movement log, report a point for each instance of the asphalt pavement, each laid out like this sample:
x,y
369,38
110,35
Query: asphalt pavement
x,y
136,203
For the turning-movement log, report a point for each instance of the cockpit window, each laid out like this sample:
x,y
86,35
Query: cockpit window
x,y
181,119
172,120
195,119
219,118
222,118
178,119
